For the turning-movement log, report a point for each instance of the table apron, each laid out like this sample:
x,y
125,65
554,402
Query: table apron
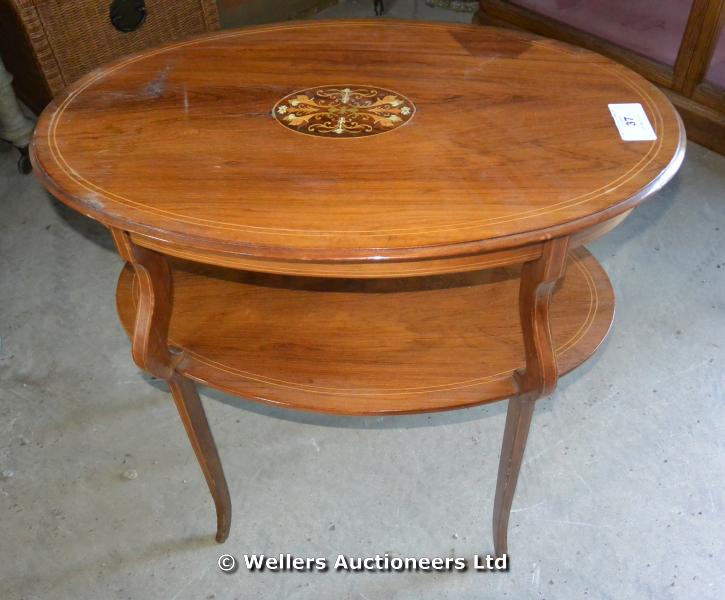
x,y
372,269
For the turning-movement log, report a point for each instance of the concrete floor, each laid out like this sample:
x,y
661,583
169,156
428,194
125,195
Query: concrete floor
x,y
396,9
622,493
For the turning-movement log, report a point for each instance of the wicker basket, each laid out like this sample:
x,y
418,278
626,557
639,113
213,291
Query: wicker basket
x,y
47,44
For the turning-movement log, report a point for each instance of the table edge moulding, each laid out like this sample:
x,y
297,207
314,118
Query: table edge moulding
x,y
361,329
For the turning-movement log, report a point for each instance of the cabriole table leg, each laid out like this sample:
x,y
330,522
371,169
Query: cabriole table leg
x,y
192,415
150,349
518,421
538,378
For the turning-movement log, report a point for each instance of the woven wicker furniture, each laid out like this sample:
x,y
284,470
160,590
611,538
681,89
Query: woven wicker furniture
x,y
48,44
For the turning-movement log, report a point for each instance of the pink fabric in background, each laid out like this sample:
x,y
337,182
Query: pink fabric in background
x,y
651,27
716,73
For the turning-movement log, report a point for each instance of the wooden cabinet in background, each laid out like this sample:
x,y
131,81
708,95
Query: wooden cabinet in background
x,y
677,44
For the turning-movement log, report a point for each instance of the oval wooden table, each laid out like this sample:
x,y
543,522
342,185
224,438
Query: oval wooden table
x,y
359,217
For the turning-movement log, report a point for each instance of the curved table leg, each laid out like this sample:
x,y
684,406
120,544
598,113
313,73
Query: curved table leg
x,y
538,378
192,415
150,350
518,420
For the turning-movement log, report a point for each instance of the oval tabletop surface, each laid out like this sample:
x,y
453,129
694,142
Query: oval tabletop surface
x,y
355,140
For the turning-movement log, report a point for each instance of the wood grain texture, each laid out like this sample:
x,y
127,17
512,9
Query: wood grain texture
x,y
502,13
511,143
705,125
698,44
148,327
421,266
354,274
538,377
370,346
150,324
538,278
357,269
197,428
711,96
516,432
701,105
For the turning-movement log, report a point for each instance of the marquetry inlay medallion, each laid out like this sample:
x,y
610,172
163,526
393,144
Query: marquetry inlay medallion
x,y
343,111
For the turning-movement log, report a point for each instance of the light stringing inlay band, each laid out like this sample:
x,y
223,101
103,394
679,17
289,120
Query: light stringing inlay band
x,y
343,111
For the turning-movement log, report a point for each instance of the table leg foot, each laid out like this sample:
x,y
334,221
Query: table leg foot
x,y
192,415
518,421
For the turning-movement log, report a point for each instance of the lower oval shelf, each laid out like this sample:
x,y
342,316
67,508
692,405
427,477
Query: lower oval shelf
x,y
371,346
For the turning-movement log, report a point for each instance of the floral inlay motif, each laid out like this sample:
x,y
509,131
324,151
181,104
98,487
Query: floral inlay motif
x,y
343,111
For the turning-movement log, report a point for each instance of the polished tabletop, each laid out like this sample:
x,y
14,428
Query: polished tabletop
x,y
355,140
402,204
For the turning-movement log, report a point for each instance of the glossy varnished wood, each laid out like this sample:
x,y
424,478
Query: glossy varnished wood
x,y
511,143
148,327
370,346
150,324
516,432
538,377
538,278
433,264
357,269
197,428
701,104
698,44
503,13
422,265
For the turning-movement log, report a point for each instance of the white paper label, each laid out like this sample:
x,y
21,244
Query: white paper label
x,y
632,122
